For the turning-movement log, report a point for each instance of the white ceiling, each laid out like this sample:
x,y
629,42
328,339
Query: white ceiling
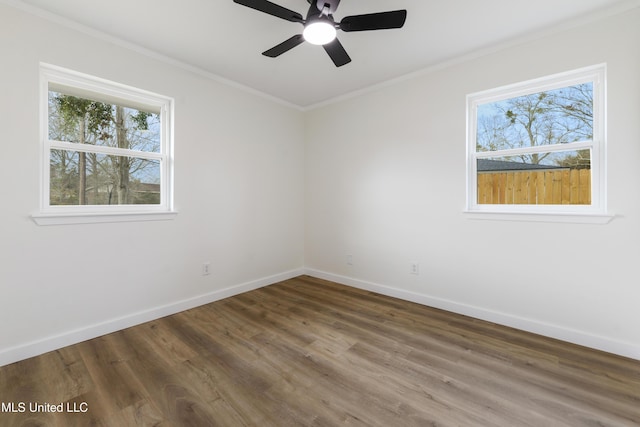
x,y
225,39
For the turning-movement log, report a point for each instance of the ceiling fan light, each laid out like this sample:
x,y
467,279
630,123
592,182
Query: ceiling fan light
x,y
319,32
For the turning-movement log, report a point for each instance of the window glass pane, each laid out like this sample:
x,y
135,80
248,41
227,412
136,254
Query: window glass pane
x,y
78,178
557,116
553,178
85,121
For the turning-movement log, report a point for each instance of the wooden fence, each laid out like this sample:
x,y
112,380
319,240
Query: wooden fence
x,y
549,187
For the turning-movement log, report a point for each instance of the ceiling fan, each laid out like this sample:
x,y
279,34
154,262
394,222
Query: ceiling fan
x,y
320,27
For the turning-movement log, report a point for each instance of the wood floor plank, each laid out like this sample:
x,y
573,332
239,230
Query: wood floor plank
x,y
308,352
114,381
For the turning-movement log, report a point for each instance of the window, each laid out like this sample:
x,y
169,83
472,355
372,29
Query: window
x,y
538,147
106,150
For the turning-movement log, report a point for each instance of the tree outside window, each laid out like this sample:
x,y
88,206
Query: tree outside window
x,y
539,143
91,178
106,151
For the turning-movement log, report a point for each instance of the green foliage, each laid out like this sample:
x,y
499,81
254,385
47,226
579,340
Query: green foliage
x,y
97,116
140,119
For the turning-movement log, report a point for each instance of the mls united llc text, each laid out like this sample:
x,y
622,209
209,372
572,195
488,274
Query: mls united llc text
x,y
21,407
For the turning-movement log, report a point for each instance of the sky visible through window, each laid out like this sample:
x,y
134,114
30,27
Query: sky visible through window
x,y
79,177
560,116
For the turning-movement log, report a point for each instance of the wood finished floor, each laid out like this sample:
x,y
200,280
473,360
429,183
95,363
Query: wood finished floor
x,y
313,353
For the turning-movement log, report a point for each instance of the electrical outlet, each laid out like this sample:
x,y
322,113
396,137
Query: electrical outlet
x,y
414,268
349,259
206,268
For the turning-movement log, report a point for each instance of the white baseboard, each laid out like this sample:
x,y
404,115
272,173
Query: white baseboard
x,y
35,348
553,331
30,349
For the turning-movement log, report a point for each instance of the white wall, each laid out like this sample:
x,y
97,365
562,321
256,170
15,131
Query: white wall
x,y
238,190
386,184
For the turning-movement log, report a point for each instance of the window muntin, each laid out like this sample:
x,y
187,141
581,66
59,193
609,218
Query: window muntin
x,y
106,147
520,137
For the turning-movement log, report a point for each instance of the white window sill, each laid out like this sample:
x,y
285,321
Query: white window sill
x,y
94,218
575,218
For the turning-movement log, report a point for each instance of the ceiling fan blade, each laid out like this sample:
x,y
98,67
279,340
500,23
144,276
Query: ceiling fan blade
x,y
374,21
284,46
336,52
272,9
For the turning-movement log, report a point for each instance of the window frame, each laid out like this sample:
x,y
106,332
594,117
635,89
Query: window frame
x,y
83,85
597,210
